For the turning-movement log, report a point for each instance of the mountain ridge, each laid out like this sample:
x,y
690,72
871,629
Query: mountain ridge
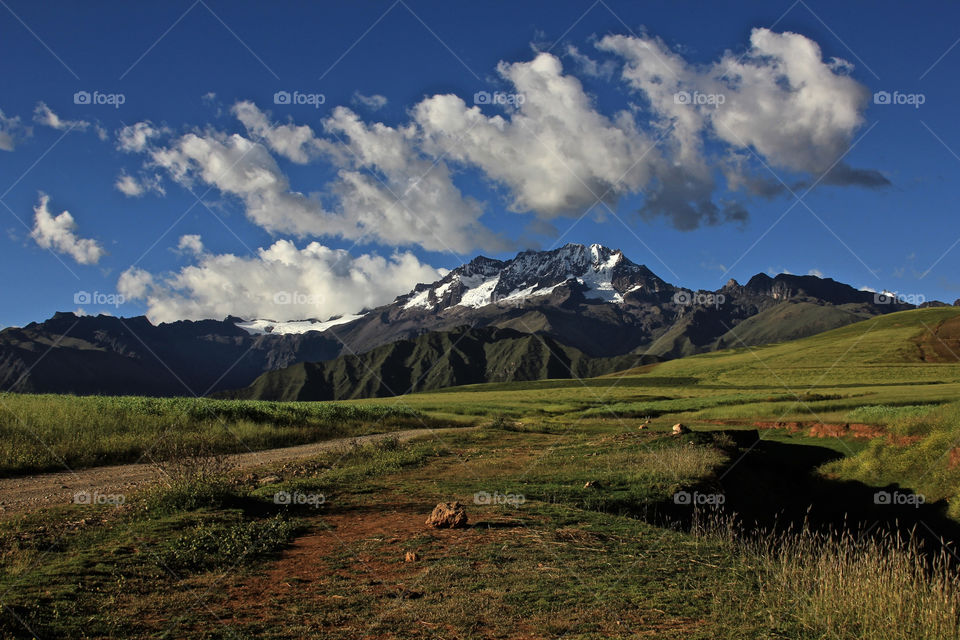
x,y
589,298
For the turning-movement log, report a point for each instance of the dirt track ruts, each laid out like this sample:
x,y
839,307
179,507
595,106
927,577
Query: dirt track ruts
x,y
27,493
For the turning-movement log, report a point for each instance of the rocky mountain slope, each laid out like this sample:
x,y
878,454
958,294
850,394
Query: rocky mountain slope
x,y
434,361
591,299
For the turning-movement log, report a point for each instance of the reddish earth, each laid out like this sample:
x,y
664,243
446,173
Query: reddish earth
x,y
835,430
361,549
940,343
954,458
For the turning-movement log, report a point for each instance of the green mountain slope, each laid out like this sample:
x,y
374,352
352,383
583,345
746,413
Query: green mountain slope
x,y
433,361
924,344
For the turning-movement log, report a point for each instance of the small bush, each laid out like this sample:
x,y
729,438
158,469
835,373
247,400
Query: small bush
x,y
208,546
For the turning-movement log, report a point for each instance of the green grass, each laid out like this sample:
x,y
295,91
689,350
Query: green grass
x,y
51,432
570,560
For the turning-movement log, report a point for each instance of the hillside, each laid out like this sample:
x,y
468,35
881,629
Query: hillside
x,y
432,361
922,344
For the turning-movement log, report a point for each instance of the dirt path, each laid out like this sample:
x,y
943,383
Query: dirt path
x,y
39,491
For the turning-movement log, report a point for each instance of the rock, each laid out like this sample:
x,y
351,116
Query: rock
x,y
269,480
412,556
679,429
448,515
592,484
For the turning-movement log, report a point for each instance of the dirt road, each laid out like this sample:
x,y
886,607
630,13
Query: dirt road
x,y
39,491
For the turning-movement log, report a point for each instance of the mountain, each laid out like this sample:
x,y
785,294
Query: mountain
x,y
598,301
434,361
117,356
589,299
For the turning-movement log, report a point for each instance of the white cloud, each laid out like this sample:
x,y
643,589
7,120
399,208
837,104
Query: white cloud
x,y
815,272
11,132
390,189
136,137
296,143
386,190
374,102
555,151
190,243
134,188
43,115
281,282
237,166
57,233
551,148
779,98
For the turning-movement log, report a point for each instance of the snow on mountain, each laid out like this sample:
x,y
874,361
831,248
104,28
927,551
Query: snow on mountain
x,y
259,327
532,274
599,273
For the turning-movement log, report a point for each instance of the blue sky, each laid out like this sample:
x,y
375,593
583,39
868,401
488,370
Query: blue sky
x,y
231,197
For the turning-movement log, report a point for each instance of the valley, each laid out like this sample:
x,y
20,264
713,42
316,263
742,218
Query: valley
x,y
587,518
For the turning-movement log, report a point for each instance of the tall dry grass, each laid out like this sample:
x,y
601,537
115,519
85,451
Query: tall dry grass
x,y
835,586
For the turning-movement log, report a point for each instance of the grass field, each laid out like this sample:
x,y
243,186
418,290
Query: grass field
x,y
51,432
583,524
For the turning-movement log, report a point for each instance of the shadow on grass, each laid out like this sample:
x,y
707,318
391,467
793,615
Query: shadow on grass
x,y
771,486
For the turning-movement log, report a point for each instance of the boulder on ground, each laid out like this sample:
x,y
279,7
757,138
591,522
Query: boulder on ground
x,y
448,515
679,429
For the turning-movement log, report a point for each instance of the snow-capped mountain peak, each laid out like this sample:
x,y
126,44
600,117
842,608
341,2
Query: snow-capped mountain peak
x,y
599,272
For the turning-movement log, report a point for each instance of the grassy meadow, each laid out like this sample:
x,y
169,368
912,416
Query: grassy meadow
x,y
582,523
54,432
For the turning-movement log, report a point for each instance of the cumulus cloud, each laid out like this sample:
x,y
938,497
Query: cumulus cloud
x,y
388,187
296,143
780,98
58,233
281,282
693,142
237,166
386,190
43,115
374,102
556,153
11,132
